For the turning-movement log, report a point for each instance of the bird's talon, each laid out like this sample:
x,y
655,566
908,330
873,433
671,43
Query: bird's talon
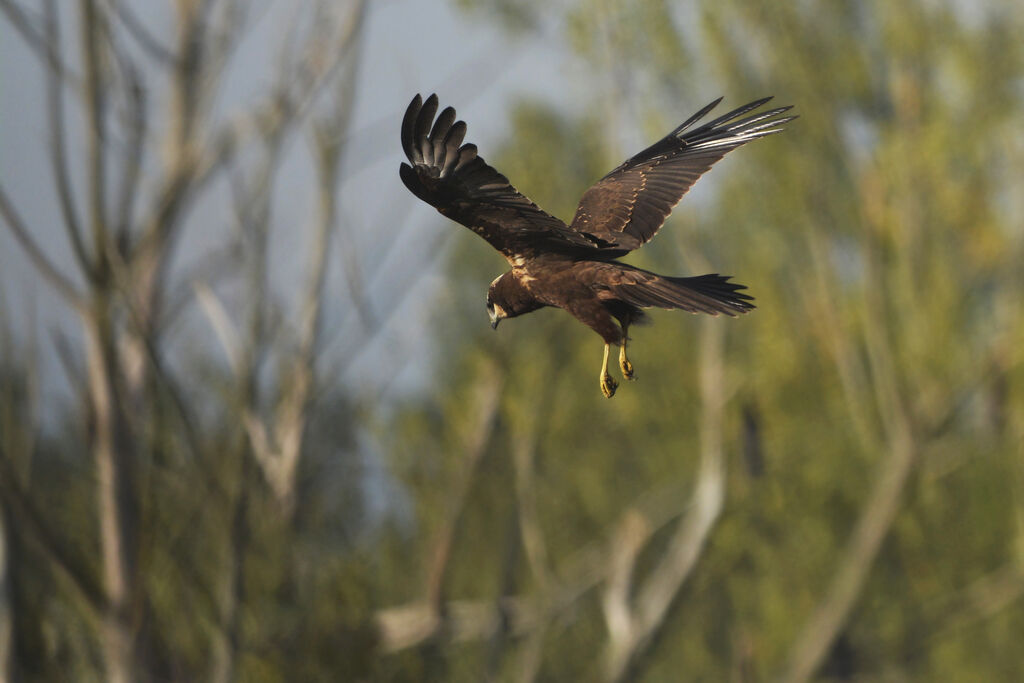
x,y
624,364
608,385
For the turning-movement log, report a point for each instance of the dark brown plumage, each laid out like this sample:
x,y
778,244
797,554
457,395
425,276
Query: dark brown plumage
x,y
573,267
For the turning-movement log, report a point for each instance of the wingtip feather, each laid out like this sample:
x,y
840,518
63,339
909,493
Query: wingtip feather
x,y
437,134
436,143
452,142
698,116
408,126
467,153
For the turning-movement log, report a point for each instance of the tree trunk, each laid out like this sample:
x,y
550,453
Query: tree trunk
x,y
113,457
6,613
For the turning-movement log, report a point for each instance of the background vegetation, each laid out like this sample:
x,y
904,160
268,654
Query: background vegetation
x,y
829,488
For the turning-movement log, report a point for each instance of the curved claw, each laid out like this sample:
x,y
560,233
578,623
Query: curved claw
x,y
626,366
608,385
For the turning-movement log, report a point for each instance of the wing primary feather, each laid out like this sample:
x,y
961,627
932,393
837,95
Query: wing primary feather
x,y
408,126
423,121
738,133
452,141
449,174
438,133
760,128
412,181
772,131
760,116
736,113
696,117
737,138
628,206
467,153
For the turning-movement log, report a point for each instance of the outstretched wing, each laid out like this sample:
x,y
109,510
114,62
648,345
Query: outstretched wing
x,y
628,206
451,176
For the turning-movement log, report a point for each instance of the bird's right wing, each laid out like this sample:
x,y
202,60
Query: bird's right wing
x,y
454,179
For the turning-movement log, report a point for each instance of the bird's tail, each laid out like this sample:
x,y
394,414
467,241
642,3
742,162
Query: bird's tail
x,y
712,294
719,289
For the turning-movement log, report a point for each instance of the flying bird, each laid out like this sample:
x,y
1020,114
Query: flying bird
x,y
574,267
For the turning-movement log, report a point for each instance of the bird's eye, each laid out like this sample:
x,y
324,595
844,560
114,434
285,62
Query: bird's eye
x,y
490,307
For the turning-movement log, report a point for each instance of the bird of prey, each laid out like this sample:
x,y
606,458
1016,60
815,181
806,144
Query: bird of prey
x,y
574,267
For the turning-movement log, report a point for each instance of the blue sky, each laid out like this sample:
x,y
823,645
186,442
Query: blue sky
x,y
410,46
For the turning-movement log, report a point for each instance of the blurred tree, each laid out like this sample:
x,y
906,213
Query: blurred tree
x,y
161,532
829,487
883,536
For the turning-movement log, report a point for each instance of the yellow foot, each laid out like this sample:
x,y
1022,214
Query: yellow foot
x,y
626,367
608,385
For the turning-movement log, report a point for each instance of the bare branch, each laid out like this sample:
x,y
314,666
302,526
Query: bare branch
x,y
222,326
38,257
630,536
331,134
277,442
94,27
434,250
133,150
58,146
409,625
146,40
208,270
115,457
464,620
292,412
69,360
40,43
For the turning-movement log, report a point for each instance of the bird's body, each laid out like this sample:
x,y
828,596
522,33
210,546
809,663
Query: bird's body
x,y
574,267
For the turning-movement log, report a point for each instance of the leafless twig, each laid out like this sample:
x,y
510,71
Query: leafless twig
x,y
38,257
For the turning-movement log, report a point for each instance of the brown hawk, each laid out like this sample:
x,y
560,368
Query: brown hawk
x,y
574,267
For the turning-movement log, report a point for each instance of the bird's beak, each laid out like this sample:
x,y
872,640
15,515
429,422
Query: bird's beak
x,y
494,319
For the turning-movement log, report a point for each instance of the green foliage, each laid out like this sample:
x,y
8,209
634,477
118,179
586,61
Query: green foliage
x,y
880,236
876,238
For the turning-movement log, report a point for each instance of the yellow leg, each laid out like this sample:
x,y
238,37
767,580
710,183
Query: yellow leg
x,y
624,364
608,385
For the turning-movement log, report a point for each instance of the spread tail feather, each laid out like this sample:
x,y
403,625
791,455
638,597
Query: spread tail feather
x,y
720,289
711,294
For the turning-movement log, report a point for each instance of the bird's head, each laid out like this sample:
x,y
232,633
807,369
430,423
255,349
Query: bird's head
x,y
507,298
496,313
496,303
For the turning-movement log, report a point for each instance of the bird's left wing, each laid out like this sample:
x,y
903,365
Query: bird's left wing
x,y
453,178
628,206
